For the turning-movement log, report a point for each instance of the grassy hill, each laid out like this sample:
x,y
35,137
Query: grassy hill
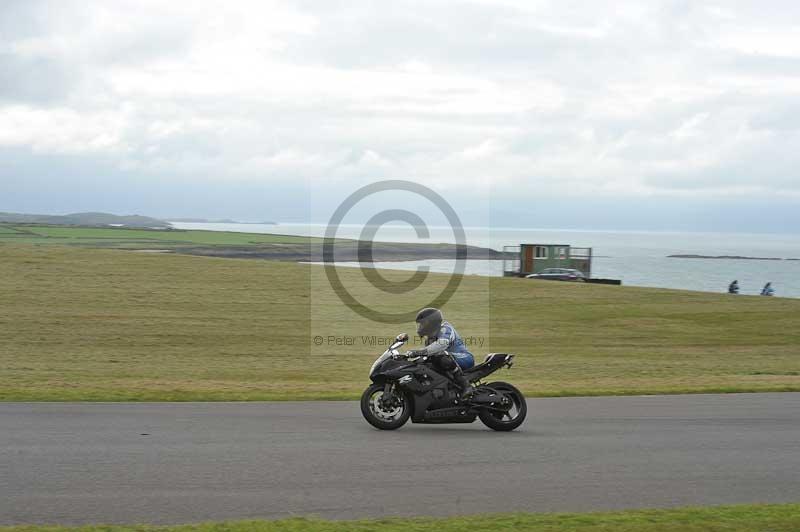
x,y
84,218
228,244
94,324
130,238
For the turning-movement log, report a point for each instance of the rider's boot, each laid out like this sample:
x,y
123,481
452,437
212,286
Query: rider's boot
x,y
463,382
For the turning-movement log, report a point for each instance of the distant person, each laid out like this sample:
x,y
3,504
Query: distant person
x,y
768,290
733,288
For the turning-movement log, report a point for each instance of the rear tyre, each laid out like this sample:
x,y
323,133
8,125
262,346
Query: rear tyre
x,y
506,421
384,417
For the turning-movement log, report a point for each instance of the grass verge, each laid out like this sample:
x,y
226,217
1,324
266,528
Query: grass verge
x,y
745,518
105,325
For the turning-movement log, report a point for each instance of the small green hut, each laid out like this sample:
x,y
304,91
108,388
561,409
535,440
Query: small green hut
x,y
526,259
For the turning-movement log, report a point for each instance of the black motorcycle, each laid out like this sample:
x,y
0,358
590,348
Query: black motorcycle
x,y
416,387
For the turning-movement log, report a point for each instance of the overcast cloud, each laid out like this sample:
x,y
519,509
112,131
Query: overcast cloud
x,y
657,103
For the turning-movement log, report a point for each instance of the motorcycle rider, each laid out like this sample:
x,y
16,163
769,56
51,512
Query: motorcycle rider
x,y
443,342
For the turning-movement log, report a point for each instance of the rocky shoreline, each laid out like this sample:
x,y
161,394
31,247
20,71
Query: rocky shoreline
x,y
349,251
344,251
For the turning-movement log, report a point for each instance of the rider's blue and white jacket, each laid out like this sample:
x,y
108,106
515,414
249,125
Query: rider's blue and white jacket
x,y
447,339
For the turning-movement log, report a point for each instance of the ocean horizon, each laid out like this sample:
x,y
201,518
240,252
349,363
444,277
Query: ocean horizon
x,y
638,258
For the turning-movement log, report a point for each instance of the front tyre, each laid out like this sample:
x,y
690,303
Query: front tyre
x,y
384,416
506,421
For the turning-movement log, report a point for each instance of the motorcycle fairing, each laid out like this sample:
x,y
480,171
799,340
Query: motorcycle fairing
x,y
432,393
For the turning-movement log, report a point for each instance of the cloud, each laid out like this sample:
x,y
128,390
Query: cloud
x,y
61,130
653,98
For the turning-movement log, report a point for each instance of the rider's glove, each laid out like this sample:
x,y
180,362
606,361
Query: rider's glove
x,y
415,353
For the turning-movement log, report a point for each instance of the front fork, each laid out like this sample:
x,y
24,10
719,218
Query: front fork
x,y
388,399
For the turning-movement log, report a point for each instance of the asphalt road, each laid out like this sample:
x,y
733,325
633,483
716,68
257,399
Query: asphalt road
x,y
188,462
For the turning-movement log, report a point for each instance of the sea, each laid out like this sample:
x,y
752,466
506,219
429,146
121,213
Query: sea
x,y
637,258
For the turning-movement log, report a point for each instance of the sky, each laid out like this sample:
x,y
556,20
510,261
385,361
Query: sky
x,y
659,115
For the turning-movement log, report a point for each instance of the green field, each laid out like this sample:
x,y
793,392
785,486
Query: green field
x,y
226,244
136,238
753,518
109,325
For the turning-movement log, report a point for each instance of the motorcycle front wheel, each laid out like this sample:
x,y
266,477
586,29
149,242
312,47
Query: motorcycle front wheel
x,y
505,421
380,415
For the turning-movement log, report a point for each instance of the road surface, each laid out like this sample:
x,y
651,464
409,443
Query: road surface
x,y
189,462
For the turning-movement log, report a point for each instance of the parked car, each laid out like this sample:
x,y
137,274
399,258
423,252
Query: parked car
x,y
558,274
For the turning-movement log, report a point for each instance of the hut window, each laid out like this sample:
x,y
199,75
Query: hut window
x,y
541,252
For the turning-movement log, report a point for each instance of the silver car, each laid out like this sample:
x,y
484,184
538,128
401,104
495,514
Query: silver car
x,y
558,274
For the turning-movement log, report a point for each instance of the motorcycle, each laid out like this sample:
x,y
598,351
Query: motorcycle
x,y
407,386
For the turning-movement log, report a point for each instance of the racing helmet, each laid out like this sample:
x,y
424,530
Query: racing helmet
x,y
429,321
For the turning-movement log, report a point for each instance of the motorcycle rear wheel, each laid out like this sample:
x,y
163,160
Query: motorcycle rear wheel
x,y
506,421
379,416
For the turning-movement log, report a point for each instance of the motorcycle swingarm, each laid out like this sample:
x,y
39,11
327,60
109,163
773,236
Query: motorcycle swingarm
x,y
487,402
486,398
